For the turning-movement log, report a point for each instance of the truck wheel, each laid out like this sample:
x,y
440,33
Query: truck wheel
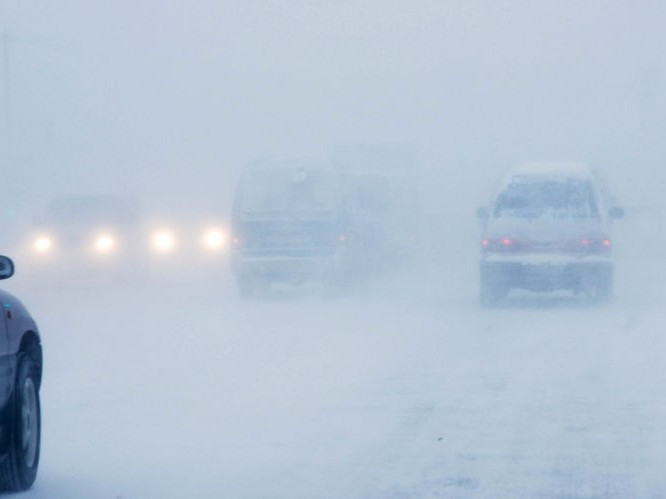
x,y
244,288
19,469
253,287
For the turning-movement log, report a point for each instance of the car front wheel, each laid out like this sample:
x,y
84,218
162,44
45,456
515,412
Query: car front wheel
x,y
19,468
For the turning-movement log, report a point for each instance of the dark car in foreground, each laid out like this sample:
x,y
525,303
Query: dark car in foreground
x,y
20,380
547,228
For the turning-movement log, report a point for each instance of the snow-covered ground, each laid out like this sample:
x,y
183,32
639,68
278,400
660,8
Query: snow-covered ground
x,y
405,389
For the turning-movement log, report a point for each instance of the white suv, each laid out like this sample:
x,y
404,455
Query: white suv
x,y
548,227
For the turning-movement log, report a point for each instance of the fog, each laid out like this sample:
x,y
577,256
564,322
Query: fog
x,y
148,97
164,381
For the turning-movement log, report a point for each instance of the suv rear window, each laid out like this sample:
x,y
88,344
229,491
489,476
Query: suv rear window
x,y
571,198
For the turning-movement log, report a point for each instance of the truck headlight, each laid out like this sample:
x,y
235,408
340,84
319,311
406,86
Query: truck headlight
x,y
43,244
164,241
104,243
214,239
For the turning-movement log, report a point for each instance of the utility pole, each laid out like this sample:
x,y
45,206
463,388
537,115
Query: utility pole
x,y
6,104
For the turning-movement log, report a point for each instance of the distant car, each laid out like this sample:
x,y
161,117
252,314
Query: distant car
x,y
110,237
192,236
21,350
379,185
548,227
288,226
87,235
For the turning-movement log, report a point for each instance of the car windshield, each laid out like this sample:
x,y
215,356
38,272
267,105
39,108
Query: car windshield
x,y
291,190
537,198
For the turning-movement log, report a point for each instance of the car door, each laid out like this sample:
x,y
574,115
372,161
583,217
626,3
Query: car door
x,y
7,356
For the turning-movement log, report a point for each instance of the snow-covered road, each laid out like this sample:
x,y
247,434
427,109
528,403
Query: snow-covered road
x,y
405,390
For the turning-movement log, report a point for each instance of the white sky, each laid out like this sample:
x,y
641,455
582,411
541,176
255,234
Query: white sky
x,y
169,99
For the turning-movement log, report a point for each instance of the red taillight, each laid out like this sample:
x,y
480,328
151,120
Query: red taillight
x,y
500,244
508,245
593,244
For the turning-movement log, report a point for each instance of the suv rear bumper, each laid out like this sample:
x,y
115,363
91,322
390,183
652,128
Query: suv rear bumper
x,y
539,273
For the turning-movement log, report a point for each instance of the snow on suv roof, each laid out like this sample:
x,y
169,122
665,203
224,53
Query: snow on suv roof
x,y
550,170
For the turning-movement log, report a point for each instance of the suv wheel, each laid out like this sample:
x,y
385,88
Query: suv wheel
x,y
491,292
597,287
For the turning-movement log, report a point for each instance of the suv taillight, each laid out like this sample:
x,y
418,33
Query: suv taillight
x,y
593,245
506,244
499,244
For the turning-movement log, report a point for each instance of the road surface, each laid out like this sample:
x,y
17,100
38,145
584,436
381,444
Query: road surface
x,y
407,388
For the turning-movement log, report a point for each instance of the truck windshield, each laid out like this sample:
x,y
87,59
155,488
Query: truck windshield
x,y
571,198
292,190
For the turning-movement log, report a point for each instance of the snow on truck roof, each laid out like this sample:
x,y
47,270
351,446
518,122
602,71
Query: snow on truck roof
x,y
548,170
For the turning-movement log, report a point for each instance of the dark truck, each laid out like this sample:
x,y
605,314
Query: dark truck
x,y
289,227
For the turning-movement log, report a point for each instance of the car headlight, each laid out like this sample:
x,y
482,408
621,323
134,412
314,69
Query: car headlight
x,y
164,241
214,239
105,243
43,244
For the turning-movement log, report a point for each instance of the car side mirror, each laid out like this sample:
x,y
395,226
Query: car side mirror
x,y
482,212
6,267
616,212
